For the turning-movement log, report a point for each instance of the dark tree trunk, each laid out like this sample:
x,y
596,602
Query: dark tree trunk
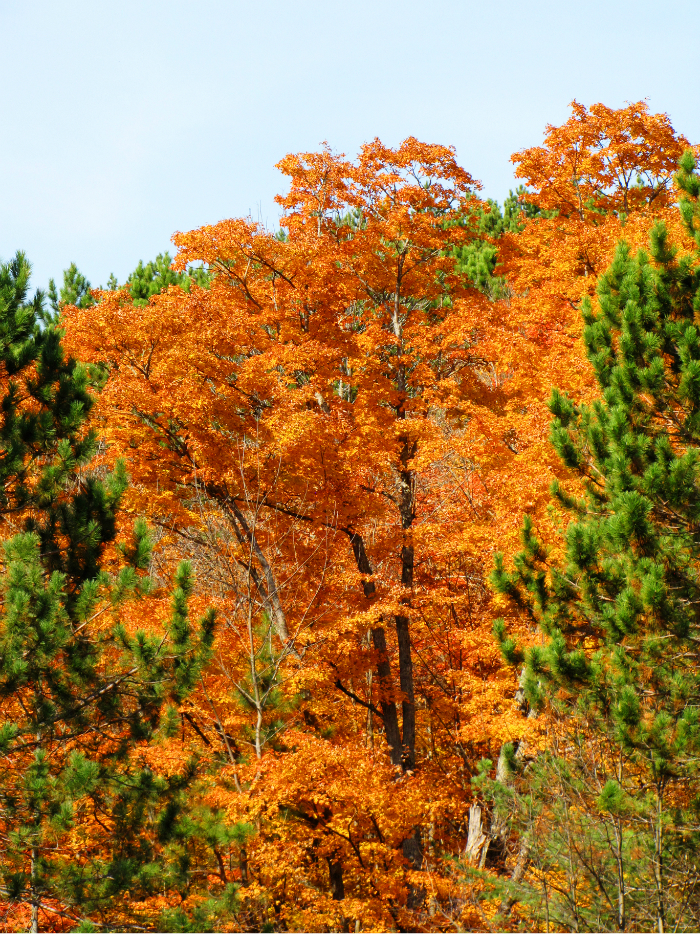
x,y
387,705
390,717
412,849
408,705
335,874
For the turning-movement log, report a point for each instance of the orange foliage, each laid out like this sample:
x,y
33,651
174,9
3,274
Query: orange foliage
x,y
339,432
605,175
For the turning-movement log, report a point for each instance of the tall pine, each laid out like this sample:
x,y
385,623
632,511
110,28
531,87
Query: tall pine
x,y
607,812
93,830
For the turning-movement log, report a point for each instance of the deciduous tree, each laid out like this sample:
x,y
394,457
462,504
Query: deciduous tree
x,y
321,431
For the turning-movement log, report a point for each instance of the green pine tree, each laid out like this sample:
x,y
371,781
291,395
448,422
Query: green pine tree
x,y
146,280
151,278
609,815
88,824
74,291
478,259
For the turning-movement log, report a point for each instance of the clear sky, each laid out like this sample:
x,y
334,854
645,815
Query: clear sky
x,y
125,121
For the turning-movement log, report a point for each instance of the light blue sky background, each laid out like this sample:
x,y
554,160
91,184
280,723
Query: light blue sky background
x,y
125,121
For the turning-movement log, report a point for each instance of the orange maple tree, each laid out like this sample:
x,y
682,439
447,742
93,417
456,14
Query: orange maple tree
x,y
603,176
338,432
317,440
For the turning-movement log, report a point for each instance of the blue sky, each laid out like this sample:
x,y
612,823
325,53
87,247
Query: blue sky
x,y
123,122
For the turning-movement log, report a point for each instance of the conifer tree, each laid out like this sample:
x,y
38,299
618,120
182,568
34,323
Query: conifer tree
x,y
151,278
609,813
89,824
478,259
146,280
74,291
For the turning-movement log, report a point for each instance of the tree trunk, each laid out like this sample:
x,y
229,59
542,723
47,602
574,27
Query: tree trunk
x,y
335,875
387,705
659,865
476,838
412,849
408,704
390,717
408,707
34,922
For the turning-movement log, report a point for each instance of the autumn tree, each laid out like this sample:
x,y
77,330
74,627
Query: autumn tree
x,y
602,171
609,807
316,441
602,175
338,432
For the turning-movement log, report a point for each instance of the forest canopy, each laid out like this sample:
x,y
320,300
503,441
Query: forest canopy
x,y
351,574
